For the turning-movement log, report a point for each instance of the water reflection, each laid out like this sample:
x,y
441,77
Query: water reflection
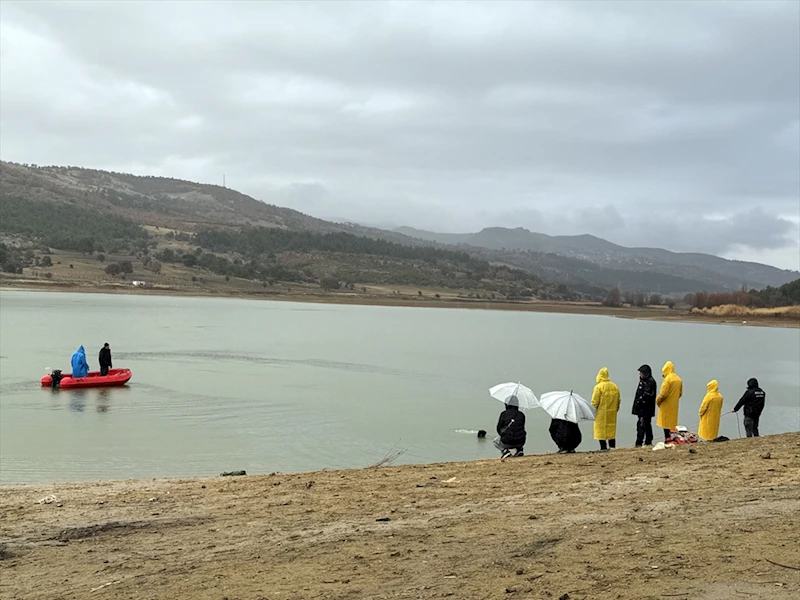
x,y
103,397
77,400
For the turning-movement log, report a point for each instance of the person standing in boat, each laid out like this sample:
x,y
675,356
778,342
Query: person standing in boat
x,y
105,360
80,368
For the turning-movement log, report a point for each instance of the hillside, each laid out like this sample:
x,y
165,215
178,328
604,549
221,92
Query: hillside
x,y
87,210
135,225
631,266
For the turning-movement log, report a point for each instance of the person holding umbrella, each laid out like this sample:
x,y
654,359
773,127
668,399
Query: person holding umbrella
x,y
566,435
565,410
511,430
605,399
511,435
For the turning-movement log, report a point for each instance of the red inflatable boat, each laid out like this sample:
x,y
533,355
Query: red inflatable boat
x,y
114,377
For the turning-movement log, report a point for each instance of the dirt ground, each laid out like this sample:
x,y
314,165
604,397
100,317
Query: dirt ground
x,y
711,522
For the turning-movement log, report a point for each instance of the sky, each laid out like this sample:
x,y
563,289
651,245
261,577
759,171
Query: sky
x,y
670,124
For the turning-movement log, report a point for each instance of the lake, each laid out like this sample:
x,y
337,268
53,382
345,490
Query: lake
x,y
228,384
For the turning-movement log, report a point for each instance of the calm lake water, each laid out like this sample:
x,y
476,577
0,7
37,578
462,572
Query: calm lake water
x,y
224,384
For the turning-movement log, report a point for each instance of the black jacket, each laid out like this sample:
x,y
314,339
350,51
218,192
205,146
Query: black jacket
x,y
566,434
105,357
644,403
753,400
511,427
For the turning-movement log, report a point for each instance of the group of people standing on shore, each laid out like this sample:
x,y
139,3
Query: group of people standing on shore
x,y
665,402
648,402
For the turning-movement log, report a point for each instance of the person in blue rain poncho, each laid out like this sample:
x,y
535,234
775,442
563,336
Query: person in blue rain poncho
x,y
80,368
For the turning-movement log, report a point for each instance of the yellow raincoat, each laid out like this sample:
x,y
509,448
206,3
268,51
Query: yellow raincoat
x,y
605,399
710,411
668,397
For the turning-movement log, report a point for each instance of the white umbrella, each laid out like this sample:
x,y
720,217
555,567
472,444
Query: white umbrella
x,y
568,406
504,391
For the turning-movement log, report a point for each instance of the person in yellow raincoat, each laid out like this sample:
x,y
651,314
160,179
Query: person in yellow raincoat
x,y
668,398
605,399
710,411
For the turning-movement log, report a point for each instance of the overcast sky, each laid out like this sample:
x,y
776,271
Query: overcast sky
x,y
672,124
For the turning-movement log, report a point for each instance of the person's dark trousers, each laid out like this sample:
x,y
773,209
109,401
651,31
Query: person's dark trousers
x,y
751,426
103,371
644,431
667,434
611,443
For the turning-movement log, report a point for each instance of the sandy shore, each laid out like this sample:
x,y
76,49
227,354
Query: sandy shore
x,y
716,521
428,300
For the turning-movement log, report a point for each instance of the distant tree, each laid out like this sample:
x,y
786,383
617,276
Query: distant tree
x,y
329,284
190,260
701,299
85,245
629,297
167,255
613,298
419,293
126,266
101,257
655,300
113,269
639,299
154,266
670,302
47,261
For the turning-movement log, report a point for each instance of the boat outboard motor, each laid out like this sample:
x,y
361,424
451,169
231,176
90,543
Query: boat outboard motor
x,y
55,377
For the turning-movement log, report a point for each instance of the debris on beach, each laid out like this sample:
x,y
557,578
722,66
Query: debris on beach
x,y
233,473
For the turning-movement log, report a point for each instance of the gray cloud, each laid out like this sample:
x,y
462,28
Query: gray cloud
x,y
638,122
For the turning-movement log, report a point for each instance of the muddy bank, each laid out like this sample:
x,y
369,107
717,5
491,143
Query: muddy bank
x,y
427,300
706,522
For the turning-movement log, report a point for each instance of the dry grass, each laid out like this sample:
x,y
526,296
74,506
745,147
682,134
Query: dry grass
x,y
734,310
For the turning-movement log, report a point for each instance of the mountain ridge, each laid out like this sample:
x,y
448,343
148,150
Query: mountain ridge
x,y
715,270
585,262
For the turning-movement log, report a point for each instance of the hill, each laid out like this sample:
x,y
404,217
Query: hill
x,y
94,211
682,272
149,222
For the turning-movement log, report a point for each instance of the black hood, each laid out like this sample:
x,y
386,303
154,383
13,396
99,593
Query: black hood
x,y
646,370
752,383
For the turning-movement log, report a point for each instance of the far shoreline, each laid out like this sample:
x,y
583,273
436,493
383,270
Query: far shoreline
x,y
426,301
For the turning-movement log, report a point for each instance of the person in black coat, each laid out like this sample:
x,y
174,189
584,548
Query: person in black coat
x,y
511,430
753,403
644,406
105,359
566,435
